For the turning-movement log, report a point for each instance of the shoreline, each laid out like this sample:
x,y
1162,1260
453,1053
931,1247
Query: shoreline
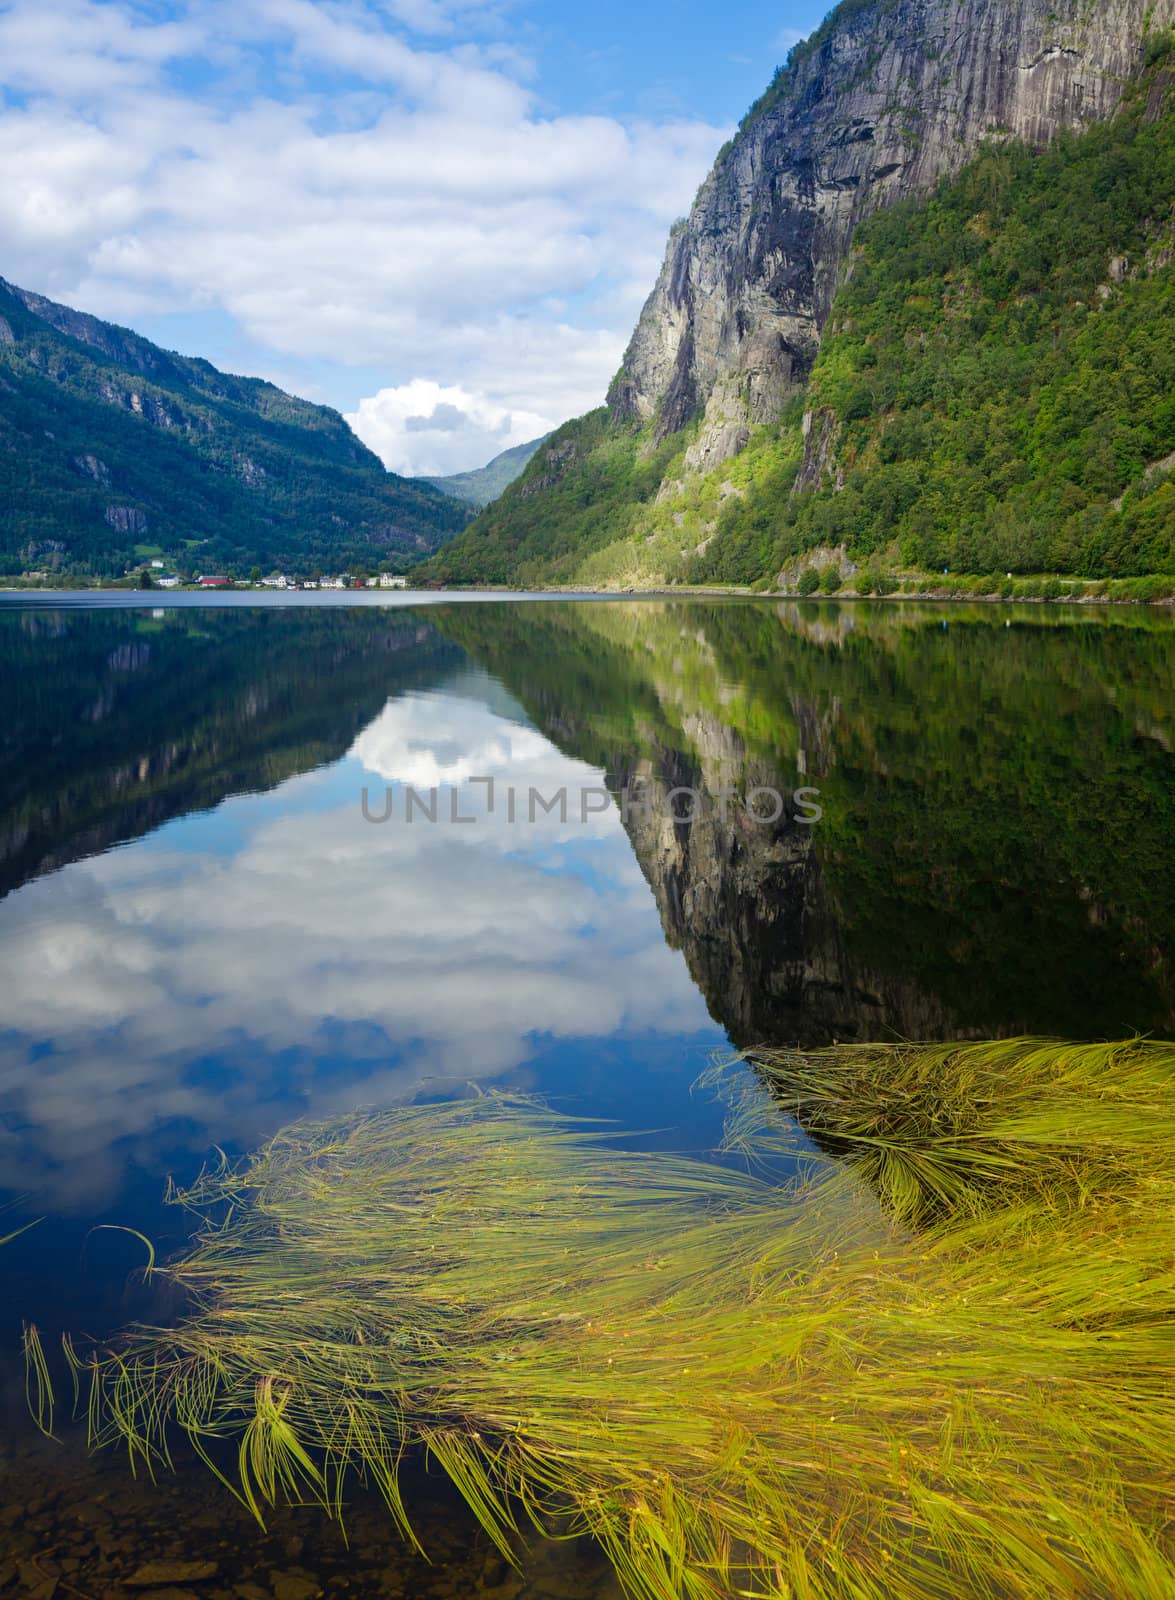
x,y
402,597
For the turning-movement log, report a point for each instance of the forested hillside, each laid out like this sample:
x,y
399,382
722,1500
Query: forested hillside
x,y
110,446
993,393
996,388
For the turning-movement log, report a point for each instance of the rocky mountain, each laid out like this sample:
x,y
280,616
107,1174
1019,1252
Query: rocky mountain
x,y
108,443
485,484
888,99
880,104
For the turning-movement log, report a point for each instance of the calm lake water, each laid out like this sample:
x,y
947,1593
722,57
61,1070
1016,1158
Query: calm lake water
x,y
217,915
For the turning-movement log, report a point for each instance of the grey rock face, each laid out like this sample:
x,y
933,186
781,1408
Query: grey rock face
x,y
125,519
897,94
90,466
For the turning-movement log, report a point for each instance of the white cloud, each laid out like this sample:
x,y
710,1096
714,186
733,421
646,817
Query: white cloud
x,y
434,429
347,194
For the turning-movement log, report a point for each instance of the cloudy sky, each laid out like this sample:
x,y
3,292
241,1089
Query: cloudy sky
x,y
440,216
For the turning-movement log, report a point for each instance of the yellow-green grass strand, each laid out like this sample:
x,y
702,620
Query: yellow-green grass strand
x,y
738,1388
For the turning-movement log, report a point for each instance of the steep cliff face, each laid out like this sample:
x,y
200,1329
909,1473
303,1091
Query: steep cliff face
x,y
882,102
889,112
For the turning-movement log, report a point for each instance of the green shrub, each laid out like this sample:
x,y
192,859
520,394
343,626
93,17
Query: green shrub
x,y
809,581
1158,45
1052,589
830,580
1146,590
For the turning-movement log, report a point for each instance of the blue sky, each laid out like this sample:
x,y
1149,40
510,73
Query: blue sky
x,y
440,216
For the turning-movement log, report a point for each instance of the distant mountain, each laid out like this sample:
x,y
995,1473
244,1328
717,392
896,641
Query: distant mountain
x,y
484,484
111,447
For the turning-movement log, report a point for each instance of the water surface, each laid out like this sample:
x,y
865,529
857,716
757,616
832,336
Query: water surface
x,y
204,934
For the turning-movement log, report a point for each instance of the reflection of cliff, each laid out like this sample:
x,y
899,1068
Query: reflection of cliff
x,y
994,855
749,905
116,722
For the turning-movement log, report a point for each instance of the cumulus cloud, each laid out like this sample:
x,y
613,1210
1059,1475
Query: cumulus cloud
x,y
174,993
434,429
353,183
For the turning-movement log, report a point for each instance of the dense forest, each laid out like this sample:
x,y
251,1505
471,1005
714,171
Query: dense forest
x,y
112,449
993,395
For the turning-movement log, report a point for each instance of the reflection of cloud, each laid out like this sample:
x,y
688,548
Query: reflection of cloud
x,y
427,739
326,961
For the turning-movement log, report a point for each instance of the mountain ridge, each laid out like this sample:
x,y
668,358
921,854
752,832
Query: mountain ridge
x,y
108,441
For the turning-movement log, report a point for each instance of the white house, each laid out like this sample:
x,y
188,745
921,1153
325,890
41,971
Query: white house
x,y
388,580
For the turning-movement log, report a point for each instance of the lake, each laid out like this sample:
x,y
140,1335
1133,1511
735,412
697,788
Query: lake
x,y
261,862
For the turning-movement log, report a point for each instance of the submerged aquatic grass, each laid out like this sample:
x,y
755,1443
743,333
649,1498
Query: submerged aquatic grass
x,y
959,1129
739,1389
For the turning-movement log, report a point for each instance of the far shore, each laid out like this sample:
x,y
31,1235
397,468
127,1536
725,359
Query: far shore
x,y
432,596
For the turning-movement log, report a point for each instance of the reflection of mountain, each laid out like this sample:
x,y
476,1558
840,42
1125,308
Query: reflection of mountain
x,y
994,854
116,721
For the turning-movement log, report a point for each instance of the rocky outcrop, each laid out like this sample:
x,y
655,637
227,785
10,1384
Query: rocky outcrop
x,y
885,99
90,466
554,459
125,519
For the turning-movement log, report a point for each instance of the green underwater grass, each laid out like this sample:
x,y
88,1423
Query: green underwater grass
x,y
938,1365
